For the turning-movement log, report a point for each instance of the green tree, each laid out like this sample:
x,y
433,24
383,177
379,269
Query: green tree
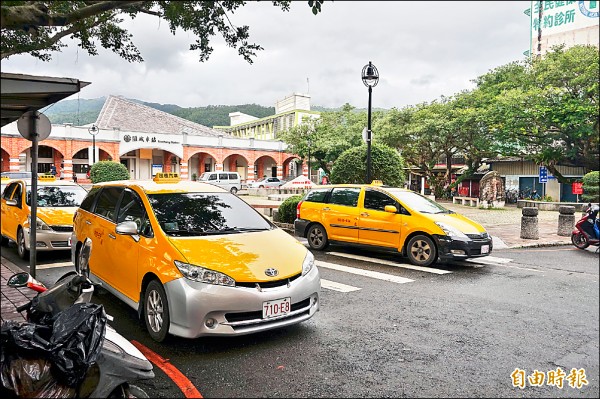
x,y
329,135
108,171
38,27
591,187
386,165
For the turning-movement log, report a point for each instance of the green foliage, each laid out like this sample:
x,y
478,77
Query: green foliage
x,y
108,171
386,165
194,176
38,27
591,187
287,209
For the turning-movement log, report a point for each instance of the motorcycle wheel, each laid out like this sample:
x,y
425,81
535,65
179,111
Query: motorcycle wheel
x,y
579,240
128,391
137,392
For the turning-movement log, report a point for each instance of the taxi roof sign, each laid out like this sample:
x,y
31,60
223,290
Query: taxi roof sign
x,y
46,178
163,177
377,183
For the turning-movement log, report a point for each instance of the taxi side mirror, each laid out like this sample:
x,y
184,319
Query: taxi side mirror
x,y
128,228
390,209
11,202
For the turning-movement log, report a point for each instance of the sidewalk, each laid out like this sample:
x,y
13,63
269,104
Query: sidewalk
x,y
504,225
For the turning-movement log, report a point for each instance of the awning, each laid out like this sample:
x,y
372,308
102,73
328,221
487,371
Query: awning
x,y
21,93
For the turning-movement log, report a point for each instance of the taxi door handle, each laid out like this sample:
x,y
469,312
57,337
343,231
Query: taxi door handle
x,y
111,236
326,209
88,222
365,214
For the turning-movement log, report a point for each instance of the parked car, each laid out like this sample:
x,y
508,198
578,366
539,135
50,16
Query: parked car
x,y
389,218
267,182
194,259
230,181
57,201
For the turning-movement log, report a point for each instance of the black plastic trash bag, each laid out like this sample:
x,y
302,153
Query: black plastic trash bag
x,y
71,344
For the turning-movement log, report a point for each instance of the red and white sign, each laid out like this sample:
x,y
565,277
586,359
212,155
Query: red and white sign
x,y
577,188
299,182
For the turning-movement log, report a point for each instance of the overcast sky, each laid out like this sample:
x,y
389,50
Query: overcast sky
x,y
422,49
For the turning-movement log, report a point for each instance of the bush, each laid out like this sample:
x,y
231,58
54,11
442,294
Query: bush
x,y
287,209
108,171
591,189
386,165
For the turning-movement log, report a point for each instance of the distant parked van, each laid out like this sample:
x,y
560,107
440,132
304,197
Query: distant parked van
x,y
228,180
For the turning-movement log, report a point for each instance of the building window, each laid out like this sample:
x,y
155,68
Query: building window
x,y
44,152
83,154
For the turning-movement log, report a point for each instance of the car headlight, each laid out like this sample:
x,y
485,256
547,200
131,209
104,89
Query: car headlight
x,y
39,224
202,275
450,230
309,262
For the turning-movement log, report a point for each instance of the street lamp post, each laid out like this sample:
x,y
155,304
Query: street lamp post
x,y
370,77
309,143
93,130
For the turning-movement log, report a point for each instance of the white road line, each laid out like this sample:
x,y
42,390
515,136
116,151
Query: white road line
x,y
390,263
332,285
365,273
489,260
54,265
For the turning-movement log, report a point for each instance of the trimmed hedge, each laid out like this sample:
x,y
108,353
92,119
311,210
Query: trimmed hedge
x,y
386,165
287,209
591,187
108,171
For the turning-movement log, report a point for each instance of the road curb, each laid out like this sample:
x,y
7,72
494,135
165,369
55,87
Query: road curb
x,y
540,245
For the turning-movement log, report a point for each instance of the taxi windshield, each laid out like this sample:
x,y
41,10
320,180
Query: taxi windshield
x,y
418,202
200,214
58,196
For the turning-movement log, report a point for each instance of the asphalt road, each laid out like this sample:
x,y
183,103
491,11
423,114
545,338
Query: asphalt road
x,y
458,334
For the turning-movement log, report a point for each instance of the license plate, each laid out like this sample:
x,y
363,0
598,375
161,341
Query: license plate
x,y
278,307
485,249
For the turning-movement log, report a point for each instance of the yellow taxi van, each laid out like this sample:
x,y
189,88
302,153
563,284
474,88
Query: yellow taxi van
x,y
381,217
57,201
194,259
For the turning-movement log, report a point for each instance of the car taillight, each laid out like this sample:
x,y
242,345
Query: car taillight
x,y
298,209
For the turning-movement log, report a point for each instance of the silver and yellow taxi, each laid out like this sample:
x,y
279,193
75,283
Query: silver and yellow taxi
x,y
57,201
194,259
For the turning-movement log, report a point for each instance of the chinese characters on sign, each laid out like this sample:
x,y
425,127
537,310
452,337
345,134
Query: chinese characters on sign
x,y
559,14
575,379
145,139
577,188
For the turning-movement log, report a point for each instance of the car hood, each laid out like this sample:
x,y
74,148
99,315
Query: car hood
x,y
458,221
245,256
56,216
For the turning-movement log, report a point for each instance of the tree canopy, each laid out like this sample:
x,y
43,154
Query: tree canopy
x,y
39,27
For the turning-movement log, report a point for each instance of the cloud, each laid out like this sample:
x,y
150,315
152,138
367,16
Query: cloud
x,y
422,50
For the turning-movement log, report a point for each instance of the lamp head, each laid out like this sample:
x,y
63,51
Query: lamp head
x,y
370,75
93,130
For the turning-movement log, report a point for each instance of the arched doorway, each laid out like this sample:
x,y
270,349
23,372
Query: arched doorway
x,y
199,163
265,166
144,163
236,163
5,162
47,157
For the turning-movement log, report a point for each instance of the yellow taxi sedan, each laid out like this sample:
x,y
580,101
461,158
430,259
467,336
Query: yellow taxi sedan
x,y
389,218
57,201
194,259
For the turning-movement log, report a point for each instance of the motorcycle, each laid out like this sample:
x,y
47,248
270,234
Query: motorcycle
x,y
587,229
66,348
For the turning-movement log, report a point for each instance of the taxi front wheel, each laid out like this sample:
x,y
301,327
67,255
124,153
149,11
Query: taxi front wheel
x,y
156,311
317,237
421,251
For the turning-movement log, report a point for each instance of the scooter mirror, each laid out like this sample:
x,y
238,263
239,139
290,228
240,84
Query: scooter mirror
x,y
18,280
83,261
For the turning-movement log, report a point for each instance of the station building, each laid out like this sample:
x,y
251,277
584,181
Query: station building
x,y
147,141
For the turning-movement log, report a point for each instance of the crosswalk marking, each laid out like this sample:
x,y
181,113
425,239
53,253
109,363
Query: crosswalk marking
x,y
54,265
334,286
390,263
489,260
365,273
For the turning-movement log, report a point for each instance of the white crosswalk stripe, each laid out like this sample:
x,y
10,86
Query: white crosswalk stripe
x,y
390,263
365,273
54,265
335,286
489,260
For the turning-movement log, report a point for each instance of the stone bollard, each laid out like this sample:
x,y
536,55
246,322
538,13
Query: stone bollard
x,y
566,220
529,223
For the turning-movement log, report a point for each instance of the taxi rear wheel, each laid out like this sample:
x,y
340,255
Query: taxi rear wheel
x,y
421,251
156,311
317,237
233,190
21,248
